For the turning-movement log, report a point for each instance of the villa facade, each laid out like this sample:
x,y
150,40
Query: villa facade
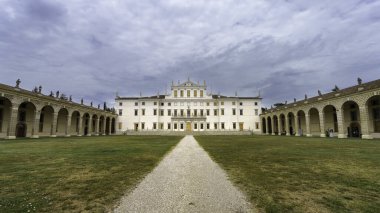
x,y
188,108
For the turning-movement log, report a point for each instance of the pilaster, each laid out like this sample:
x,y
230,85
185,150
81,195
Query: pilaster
x,y
11,133
322,124
53,131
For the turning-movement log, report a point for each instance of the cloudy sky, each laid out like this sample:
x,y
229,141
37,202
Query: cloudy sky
x,y
93,48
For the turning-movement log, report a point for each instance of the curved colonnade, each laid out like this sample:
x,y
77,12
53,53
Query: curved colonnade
x,y
30,114
351,112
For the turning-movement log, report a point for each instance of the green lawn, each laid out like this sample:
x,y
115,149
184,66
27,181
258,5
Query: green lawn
x,y
75,174
297,174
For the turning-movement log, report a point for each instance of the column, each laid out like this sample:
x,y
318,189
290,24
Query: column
x,y
11,133
273,126
279,121
36,124
97,126
322,124
53,131
104,126
109,127
287,125
266,124
307,118
79,133
340,118
68,126
296,125
89,126
364,122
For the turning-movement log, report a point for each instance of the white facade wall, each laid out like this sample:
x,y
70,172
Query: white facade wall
x,y
127,120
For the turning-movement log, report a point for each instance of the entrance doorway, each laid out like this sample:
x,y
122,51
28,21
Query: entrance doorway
x,y
241,126
21,130
188,127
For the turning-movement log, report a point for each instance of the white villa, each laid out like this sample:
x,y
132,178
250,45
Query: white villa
x,y
188,108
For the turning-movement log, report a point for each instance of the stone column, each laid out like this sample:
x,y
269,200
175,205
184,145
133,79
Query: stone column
x,y
11,133
287,125
307,118
266,124
97,126
273,126
36,124
279,121
340,118
296,125
53,131
68,126
364,121
322,124
104,126
109,126
89,126
80,131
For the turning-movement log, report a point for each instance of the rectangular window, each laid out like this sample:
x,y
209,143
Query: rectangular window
x,y
195,93
169,126
175,126
136,103
215,103
120,103
233,125
233,103
161,125
175,93
207,112
201,112
181,125
154,125
120,125
181,112
222,125
188,93
154,111
256,112
136,112
169,112
142,125
257,125
169,104
215,125
120,112
201,125
255,103
161,112
195,112
241,103
208,126
154,103
233,111
221,111
208,104
201,93
143,103
181,93
241,112
215,112
175,112
162,103
222,103
195,126
142,111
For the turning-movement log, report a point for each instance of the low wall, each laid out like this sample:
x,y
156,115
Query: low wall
x,y
188,133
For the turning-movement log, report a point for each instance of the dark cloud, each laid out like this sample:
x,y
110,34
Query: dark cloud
x,y
92,49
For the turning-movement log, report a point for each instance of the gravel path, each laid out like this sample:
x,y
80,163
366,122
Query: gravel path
x,y
186,180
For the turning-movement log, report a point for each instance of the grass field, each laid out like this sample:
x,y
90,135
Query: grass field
x,y
75,174
297,174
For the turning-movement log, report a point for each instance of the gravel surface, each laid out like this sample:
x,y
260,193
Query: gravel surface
x,y
186,180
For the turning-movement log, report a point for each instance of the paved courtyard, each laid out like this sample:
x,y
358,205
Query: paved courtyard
x,y
186,180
